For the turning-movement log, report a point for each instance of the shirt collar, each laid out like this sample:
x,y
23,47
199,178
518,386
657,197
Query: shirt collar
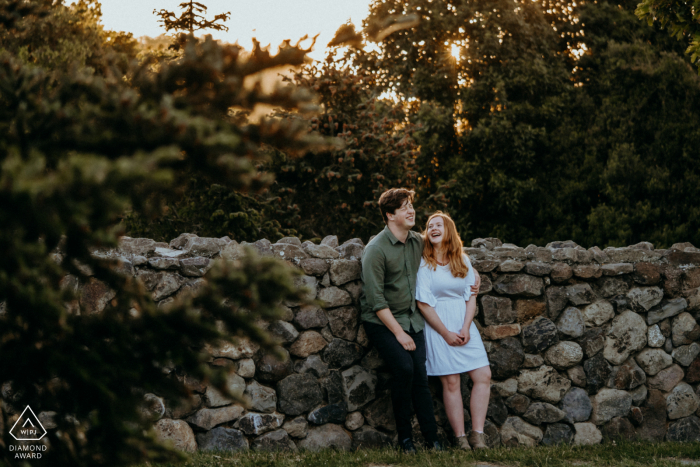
x,y
394,240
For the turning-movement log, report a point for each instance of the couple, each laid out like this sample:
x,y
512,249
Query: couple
x,y
409,280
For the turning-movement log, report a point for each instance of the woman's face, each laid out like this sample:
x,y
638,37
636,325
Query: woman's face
x,y
436,230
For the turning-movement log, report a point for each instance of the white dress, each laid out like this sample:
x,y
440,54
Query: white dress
x,y
448,295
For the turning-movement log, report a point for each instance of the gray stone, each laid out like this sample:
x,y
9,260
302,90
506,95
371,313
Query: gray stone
x,y
539,335
645,298
203,246
262,398
505,388
359,386
271,367
592,341
234,384
222,439
519,284
577,375
195,267
598,313
681,401
380,414
275,441
206,419
314,266
653,360
617,269
350,251
544,384
329,436
152,408
334,297
685,354
307,283
627,335
515,432
612,286
653,427
288,252
518,403
564,355
137,246
666,309
506,356
372,360
164,263
354,420
283,332
556,300
344,270
333,386
558,433
580,294
510,265
685,329
368,438
242,348
587,434
639,395
297,427
297,394
576,405
332,413
320,251
666,379
340,354
685,430
588,271
177,433
313,365
330,240
610,403
290,240
542,412
538,269
532,361
497,410
95,295
497,310
344,321
627,376
654,337
310,316
571,322
308,342
598,372
561,272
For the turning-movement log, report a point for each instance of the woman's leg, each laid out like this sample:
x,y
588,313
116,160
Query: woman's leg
x,y
481,377
452,398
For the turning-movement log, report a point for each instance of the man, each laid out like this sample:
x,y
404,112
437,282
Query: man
x,y
391,318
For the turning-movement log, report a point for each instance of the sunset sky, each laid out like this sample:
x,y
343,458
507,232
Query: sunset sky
x,y
270,21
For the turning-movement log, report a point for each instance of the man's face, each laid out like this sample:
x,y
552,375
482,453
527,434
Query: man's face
x,y
405,216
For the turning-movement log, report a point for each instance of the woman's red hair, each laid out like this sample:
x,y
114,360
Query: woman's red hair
x,y
452,247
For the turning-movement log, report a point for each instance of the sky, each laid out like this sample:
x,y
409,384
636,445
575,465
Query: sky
x,y
270,21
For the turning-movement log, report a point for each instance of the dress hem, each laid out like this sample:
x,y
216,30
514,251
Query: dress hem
x,y
459,372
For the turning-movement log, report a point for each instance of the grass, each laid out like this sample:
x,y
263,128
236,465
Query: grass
x,y
624,454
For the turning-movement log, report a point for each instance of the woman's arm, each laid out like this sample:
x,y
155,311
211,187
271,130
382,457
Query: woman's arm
x,y
468,318
428,312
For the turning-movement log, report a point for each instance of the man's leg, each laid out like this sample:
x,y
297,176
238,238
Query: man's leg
x,y
400,363
422,399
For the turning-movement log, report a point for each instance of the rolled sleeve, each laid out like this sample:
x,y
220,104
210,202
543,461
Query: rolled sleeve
x,y
373,279
470,279
424,281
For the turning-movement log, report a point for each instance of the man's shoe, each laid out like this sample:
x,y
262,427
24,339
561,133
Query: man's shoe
x,y
463,444
436,446
407,446
477,440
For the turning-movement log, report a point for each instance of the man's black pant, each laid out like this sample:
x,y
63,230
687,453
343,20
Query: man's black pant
x,y
409,380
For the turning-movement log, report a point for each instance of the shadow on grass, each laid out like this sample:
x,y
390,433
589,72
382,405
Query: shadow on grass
x,y
622,454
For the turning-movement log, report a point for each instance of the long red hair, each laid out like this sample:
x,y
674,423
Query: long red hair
x,y
451,245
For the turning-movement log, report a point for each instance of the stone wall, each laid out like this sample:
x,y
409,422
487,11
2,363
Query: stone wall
x,y
584,345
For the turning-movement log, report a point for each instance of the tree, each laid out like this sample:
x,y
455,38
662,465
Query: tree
x,y
78,147
681,18
191,19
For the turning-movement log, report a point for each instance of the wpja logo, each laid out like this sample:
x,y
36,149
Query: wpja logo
x,y
28,428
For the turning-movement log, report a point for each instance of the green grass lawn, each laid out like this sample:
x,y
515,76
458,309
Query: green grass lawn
x,y
620,454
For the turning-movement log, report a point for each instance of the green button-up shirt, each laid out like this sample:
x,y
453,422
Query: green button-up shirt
x,y
389,270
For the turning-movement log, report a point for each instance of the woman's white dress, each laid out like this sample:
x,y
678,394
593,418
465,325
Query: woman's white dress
x,y
448,295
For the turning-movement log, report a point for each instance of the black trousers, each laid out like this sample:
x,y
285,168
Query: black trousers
x,y
409,380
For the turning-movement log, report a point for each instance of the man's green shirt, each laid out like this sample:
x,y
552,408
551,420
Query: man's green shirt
x,y
389,270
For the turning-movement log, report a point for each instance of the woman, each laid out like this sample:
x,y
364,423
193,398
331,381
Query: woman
x,y
452,340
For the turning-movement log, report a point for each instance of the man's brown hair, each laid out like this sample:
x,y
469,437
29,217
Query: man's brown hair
x,y
393,199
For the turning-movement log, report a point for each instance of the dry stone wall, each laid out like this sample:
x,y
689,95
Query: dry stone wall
x,y
585,345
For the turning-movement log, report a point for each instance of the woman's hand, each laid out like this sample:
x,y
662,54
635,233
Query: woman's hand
x,y
477,285
406,341
465,335
453,339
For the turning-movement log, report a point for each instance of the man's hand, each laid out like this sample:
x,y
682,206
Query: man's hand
x,y
406,341
477,285
453,339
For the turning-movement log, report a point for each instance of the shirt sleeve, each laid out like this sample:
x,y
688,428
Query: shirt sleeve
x,y
469,280
373,278
424,283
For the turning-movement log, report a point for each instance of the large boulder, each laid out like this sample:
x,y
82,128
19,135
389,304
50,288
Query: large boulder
x,y
564,355
308,342
580,294
516,432
177,433
340,353
331,413
558,433
685,329
556,300
597,371
587,434
610,403
333,297
283,331
344,322
666,379
258,423
519,284
666,309
310,316
262,398
275,441
297,427
645,298
653,427
272,367
222,439
543,384
627,335
506,357
685,430
681,401
653,360
297,394
576,405
542,412
369,438
571,322
359,386
344,270
325,437
685,354
497,310
206,419
380,414
539,335
598,313
313,365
